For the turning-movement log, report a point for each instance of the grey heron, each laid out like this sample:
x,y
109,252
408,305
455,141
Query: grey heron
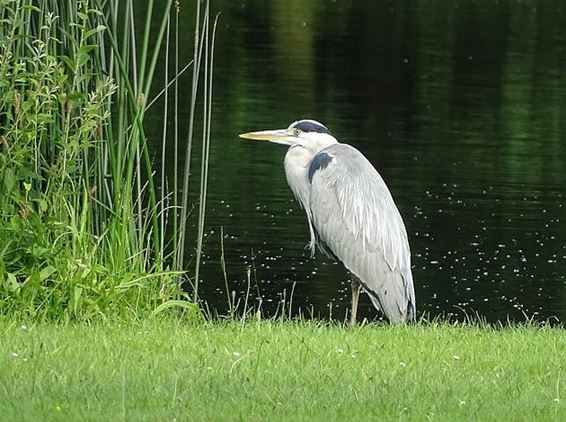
x,y
351,214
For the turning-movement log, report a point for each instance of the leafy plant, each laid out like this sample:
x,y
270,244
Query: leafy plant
x,y
82,231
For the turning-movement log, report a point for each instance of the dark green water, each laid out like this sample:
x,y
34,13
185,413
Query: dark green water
x,y
461,106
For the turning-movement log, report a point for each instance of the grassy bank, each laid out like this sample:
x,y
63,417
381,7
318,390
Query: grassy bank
x,y
163,370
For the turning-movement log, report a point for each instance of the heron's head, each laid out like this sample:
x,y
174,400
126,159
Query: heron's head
x,y
309,134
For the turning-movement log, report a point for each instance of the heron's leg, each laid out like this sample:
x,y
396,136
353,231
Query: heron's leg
x,y
355,297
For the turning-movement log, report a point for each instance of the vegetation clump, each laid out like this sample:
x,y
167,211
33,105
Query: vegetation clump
x,y
82,230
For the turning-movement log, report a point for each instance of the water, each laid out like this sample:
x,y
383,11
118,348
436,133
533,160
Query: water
x,y
461,108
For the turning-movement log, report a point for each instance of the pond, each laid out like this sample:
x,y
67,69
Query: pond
x,y
460,106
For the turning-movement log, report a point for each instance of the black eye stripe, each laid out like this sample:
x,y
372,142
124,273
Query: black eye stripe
x,y
309,126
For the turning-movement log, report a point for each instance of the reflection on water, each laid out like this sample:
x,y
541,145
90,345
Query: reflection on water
x,y
460,108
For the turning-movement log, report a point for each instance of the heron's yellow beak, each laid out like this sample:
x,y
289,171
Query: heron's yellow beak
x,y
279,136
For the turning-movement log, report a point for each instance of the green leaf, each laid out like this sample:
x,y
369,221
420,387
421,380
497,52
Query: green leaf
x,y
9,180
28,173
77,293
85,49
82,16
46,272
82,59
184,304
42,205
12,284
68,61
96,30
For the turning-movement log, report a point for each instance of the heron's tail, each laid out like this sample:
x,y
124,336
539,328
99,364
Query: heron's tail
x,y
397,306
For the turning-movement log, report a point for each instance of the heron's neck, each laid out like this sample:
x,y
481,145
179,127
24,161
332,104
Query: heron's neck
x,y
318,141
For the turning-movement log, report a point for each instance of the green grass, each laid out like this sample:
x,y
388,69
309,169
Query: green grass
x,y
166,370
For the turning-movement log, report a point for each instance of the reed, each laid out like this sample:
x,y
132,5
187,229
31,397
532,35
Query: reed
x,y
83,229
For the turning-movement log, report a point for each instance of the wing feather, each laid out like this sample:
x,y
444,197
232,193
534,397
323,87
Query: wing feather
x,y
353,212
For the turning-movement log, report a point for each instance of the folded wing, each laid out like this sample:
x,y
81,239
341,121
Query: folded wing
x,y
354,215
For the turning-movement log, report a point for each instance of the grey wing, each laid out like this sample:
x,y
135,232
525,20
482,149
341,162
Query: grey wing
x,y
355,216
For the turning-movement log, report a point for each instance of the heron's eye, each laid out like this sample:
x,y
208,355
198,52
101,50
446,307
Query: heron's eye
x,y
295,132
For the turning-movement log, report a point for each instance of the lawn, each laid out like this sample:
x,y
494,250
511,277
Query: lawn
x,y
168,370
